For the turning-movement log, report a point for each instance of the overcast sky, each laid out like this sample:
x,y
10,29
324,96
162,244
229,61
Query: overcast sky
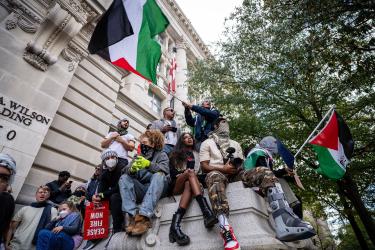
x,y
207,16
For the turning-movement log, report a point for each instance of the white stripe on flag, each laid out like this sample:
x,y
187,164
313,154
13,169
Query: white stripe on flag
x,y
127,47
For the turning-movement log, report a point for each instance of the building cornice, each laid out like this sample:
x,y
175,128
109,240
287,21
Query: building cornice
x,y
186,25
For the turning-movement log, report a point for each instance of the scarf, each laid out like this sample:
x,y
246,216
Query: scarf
x,y
44,219
122,131
221,137
68,220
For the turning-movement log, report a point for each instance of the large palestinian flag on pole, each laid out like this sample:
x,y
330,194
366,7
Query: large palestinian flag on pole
x,y
124,36
334,147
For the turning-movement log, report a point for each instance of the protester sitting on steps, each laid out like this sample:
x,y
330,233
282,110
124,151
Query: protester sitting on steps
x,y
58,234
60,188
145,180
29,220
259,173
93,183
120,141
221,167
184,165
7,172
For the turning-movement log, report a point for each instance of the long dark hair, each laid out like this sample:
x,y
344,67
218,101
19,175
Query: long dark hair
x,y
179,154
6,212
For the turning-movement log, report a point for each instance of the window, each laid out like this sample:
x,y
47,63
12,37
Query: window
x,y
155,103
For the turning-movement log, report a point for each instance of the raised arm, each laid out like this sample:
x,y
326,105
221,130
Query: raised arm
x,y
210,114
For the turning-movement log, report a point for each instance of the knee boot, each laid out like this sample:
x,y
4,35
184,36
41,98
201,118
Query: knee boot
x,y
209,218
175,233
288,226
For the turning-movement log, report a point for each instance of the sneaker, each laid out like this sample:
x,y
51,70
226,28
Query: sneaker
x,y
90,244
230,241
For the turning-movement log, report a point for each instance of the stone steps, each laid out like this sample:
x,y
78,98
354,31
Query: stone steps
x,y
248,216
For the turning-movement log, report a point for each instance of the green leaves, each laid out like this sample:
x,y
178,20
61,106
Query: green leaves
x,y
282,65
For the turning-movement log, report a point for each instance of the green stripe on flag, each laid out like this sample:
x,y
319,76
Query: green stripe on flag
x,y
327,165
251,160
148,51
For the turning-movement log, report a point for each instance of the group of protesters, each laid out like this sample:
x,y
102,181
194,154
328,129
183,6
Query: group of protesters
x,y
168,162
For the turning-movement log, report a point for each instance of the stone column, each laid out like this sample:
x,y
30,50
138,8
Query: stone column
x,y
33,75
181,79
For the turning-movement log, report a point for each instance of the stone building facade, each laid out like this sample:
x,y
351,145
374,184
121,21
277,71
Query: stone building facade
x,y
57,102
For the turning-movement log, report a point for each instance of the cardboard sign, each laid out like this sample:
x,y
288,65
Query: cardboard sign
x,y
96,222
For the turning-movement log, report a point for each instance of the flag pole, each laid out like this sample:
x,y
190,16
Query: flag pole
x,y
156,85
316,128
296,177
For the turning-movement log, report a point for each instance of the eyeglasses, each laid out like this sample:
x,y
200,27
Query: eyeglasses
x,y
5,177
172,110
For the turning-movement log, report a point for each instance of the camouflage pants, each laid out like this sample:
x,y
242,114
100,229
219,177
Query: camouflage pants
x,y
261,177
216,183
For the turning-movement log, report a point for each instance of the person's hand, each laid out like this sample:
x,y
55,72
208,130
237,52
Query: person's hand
x,y
187,105
64,186
229,169
289,171
139,163
57,229
96,199
119,139
166,129
8,247
115,135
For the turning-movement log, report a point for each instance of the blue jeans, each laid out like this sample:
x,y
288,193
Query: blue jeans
x,y
144,187
47,240
168,148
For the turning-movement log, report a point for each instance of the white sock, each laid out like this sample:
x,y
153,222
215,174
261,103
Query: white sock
x,y
223,221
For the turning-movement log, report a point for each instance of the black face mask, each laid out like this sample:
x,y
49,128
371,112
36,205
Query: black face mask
x,y
145,149
79,193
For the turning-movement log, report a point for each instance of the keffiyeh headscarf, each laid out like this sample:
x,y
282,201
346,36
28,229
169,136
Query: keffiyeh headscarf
x,y
8,162
221,137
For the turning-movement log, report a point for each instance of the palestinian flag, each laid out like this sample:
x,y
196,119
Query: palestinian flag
x,y
334,147
124,36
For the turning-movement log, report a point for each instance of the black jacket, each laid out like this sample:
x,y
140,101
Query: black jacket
x,y
58,196
108,183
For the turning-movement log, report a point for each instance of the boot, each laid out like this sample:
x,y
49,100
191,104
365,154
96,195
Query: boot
x,y
288,226
230,241
131,225
175,233
142,224
209,218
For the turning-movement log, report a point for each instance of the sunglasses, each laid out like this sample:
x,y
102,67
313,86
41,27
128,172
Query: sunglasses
x,y
5,177
170,110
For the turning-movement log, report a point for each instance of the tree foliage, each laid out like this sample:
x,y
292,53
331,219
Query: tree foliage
x,y
282,65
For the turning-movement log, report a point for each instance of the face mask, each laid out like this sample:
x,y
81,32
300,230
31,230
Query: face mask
x,y
63,213
79,193
145,149
111,163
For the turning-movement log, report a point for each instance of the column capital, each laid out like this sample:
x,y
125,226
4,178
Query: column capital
x,y
181,43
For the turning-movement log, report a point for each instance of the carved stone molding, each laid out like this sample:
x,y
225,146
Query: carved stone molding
x,y
63,22
25,18
73,54
181,43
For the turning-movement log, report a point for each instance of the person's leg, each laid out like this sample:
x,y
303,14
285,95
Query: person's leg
x,y
63,241
288,226
216,183
154,191
175,233
209,218
131,190
116,212
44,237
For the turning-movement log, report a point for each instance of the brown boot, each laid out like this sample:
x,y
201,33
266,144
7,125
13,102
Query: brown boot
x,y
142,224
130,227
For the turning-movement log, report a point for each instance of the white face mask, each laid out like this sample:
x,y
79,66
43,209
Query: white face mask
x,y
111,163
63,213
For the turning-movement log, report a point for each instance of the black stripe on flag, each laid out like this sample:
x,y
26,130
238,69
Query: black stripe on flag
x,y
345,137
111,28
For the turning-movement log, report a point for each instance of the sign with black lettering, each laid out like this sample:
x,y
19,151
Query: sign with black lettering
x,y
14,111
96,222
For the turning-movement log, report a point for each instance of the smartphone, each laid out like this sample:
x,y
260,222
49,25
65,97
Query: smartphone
x,y
70,182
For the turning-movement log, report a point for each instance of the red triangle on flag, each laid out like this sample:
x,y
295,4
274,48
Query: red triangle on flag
x,y
329,136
